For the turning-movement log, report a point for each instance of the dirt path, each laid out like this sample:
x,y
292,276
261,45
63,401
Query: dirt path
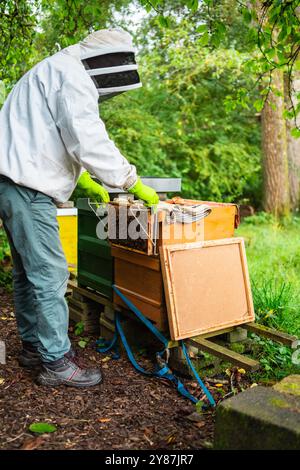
x,y
128,411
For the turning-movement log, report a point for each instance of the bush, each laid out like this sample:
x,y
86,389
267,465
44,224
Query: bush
x,y
5,262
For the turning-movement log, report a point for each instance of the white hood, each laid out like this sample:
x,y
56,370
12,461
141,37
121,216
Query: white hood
x,y
107,42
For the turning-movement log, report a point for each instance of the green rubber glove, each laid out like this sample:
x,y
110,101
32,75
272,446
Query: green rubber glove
x,y
147,194
93,189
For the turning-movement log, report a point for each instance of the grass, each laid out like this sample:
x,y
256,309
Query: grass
x,y
273,254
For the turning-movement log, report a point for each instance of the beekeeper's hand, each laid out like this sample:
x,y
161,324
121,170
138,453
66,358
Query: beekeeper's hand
x,y
147,194
93,190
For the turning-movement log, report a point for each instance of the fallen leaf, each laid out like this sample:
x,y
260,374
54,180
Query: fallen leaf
x,y
154,395
104,420
200,424
195,417
148,440
193,384
34,443
207,445
106,359
170,439
242,371
253,385
219,385
41,428
2,381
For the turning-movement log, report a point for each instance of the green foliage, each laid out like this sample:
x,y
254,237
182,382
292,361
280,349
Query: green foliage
x,y
178,124
271,30
5,262
273,248
17,31
271,298
83,342
79,328
275,359
64,23
273,253
4,246
2,92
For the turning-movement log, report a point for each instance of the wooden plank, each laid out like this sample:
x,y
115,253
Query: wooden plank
x,y
207,286
270,333
139,259
87,306
224,353
89,294
211,334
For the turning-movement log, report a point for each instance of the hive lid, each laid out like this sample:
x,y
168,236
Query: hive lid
x,y
207,286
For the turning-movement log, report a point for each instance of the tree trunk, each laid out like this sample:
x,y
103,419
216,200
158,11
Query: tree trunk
x,y
274,144
293,148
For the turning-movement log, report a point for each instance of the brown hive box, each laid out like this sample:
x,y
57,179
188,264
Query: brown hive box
x,y
220,223
139,278
159,231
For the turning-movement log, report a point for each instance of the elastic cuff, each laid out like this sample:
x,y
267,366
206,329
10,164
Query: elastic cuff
x,y
130,183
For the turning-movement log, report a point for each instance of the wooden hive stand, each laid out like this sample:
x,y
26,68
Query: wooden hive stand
x,y
205,342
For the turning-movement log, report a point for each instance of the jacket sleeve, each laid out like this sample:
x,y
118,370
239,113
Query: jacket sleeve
x,y
74,108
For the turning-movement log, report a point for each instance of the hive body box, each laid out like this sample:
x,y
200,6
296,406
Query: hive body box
x,y
220,223
95,263
139,276
67,221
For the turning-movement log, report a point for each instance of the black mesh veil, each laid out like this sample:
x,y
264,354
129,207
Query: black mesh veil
x,y
110,60
117,79
114,80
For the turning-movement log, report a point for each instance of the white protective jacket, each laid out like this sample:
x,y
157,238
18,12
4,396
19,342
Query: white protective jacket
x,y
50,130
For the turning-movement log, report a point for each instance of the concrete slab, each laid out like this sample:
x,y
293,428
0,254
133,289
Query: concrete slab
x,y
259,418
290,385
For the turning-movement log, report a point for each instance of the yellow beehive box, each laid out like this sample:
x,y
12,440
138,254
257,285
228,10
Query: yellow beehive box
x,y
67,221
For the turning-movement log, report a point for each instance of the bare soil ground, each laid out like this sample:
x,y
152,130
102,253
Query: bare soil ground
x,y
127,411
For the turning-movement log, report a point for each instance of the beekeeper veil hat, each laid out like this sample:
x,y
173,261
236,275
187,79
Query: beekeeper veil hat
x,y
108,56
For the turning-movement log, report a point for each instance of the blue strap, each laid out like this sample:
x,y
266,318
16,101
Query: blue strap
x,y
143,319
190,364
162,372
105,346
127,348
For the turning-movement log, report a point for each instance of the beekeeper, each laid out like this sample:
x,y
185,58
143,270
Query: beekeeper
x,y
51,137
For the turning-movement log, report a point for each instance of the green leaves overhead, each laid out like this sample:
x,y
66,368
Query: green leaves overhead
x,y
273,31
178,125
18,22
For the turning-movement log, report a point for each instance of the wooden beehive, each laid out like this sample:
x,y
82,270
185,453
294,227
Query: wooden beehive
x,y
156,229
139,278
220,223
125,219
138,275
